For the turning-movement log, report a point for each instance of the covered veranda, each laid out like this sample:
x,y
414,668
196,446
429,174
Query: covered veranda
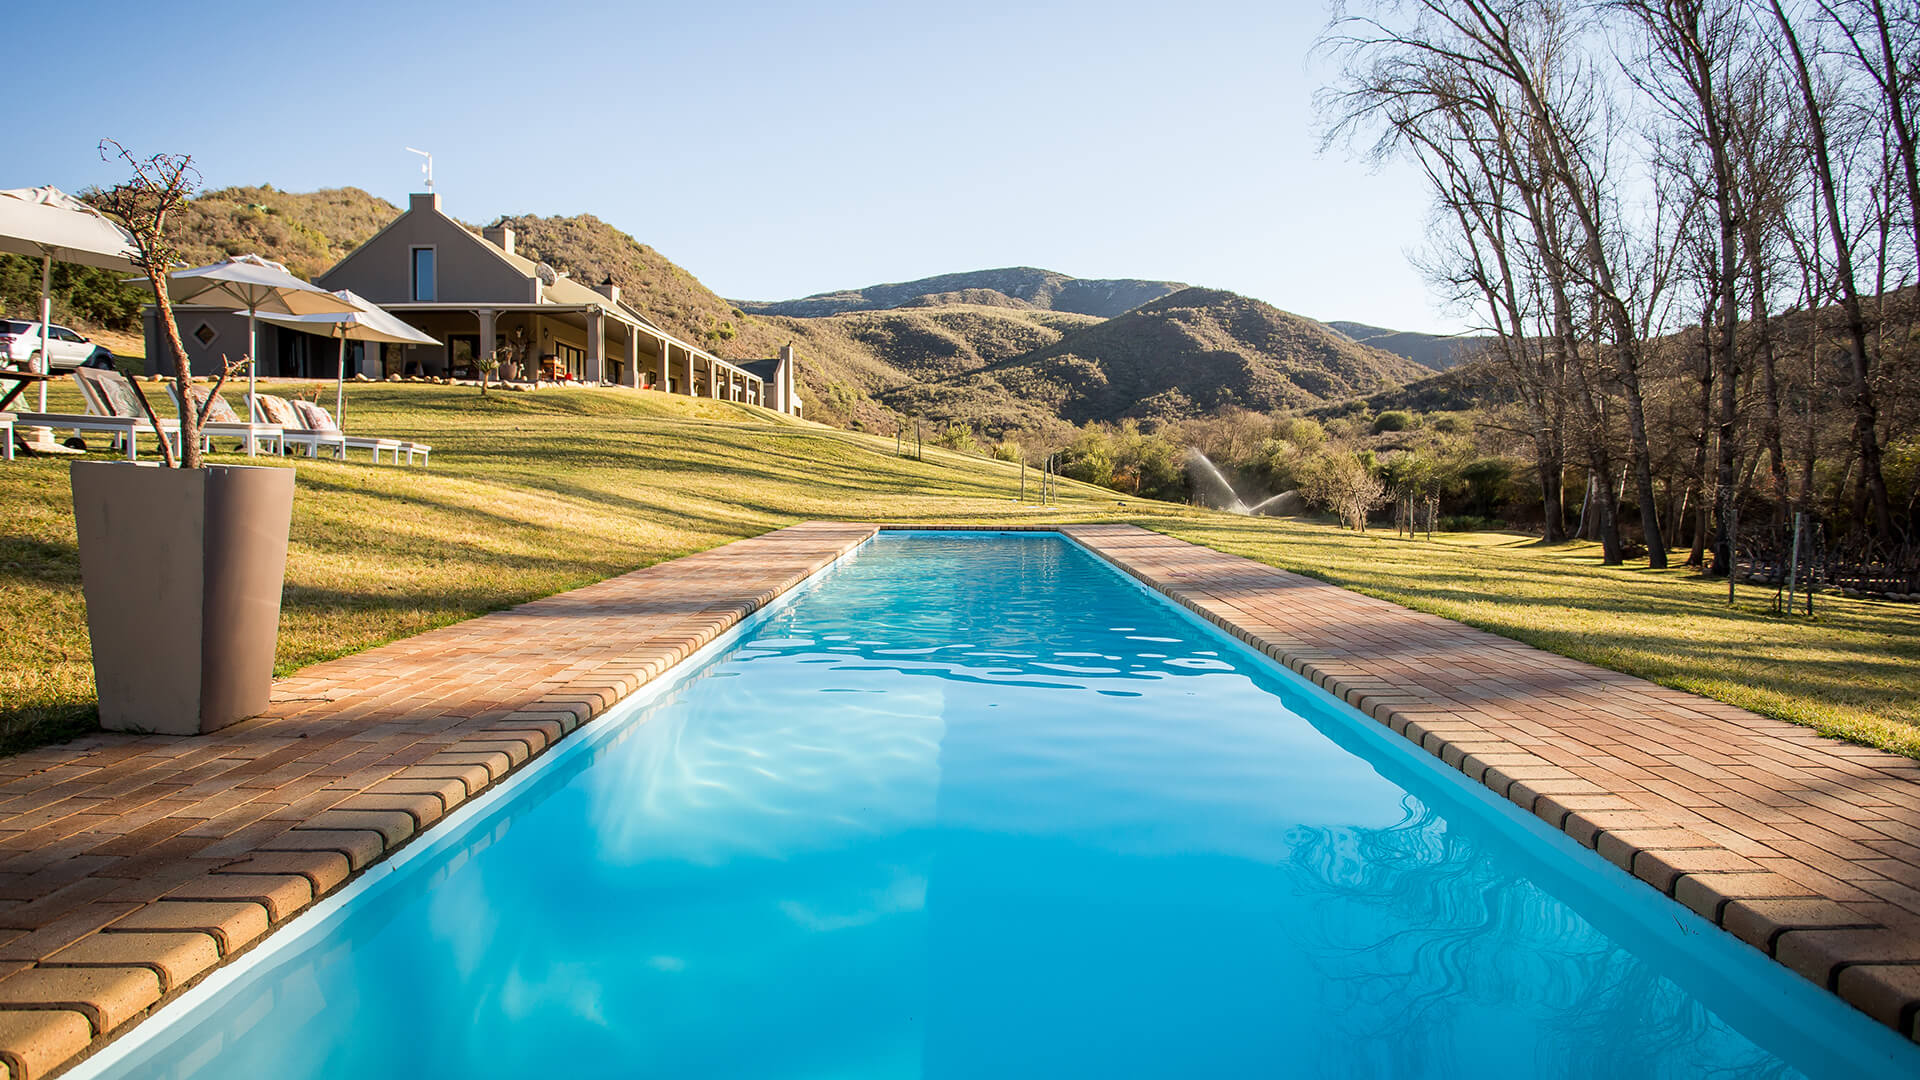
x,y
587,343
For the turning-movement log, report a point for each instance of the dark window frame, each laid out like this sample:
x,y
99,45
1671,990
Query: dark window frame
x,y
433,271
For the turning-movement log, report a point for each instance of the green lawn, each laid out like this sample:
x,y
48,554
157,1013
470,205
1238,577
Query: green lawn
x,y
533,493
1853,670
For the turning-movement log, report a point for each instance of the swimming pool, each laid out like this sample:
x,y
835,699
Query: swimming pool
x,y
977,805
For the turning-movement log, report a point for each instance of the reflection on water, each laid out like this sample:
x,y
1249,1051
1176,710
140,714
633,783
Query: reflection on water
x,y
1417,925
974,807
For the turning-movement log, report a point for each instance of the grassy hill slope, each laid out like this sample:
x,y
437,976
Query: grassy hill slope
x,y
533,493
308,231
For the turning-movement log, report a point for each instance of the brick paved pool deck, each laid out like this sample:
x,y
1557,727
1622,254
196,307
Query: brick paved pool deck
x,y
130,866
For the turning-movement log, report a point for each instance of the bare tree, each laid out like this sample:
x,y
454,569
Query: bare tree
x,y
1524,108
1872,501
144,203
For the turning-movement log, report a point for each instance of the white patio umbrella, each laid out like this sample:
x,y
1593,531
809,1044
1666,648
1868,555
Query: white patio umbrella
x,y
255,285
48,224
368,322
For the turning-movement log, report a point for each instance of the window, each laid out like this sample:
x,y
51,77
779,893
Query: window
x,y
204,334
572,360
423,274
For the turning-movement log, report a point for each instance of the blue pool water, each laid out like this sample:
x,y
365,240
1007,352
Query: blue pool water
x,y
977,806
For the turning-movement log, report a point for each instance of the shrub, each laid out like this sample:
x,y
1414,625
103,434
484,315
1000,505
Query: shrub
x,y
1393,420
958,437
1304,435
1488,484
1089,457
1342,483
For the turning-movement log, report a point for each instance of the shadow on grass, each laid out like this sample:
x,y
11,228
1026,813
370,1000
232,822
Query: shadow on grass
x,y
46,723
34,561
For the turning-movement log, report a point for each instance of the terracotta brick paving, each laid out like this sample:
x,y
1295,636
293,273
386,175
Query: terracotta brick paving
x,y
132,866
1802,846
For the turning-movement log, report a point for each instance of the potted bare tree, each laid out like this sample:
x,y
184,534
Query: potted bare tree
x,y
182,562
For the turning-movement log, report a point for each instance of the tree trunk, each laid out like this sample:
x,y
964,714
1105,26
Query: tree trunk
x,y
182,374
1697,556
1642,466
1553,529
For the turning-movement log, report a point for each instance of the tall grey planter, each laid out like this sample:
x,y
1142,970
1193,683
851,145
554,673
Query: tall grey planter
x,y
182,570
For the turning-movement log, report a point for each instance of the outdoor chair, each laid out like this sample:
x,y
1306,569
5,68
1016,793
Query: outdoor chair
x,y
6,432
224,423
112,409
294,430
311,425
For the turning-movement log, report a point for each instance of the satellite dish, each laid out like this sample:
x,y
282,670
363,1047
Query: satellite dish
x,y
546,274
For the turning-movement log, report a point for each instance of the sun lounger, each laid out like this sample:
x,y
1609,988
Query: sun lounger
x,y
110,397
310,425
122,429
101,416
267,409
222,422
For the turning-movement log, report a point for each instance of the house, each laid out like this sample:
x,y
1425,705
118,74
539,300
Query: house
x,y
777,375
466,289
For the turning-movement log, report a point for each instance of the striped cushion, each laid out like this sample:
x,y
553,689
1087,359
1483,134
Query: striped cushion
x,y
221,413
313,417
277,412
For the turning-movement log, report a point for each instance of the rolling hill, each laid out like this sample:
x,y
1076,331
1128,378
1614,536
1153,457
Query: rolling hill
x,y
1013,286
1436,351
1198,351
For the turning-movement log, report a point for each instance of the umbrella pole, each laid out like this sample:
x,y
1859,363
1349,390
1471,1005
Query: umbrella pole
x,y
252,366
46,320
340,384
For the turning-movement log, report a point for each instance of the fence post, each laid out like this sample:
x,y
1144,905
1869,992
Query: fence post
x,y
1733,549
1023,481
918,455
1793,565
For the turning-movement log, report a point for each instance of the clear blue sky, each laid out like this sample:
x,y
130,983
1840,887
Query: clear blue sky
x,y
773,150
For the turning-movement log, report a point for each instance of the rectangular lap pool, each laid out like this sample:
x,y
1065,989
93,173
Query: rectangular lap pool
x,y
976,805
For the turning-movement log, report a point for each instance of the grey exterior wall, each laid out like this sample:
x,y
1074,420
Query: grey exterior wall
x,y
284,353
465,268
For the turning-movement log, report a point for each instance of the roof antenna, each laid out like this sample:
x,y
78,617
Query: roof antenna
x,y
427,167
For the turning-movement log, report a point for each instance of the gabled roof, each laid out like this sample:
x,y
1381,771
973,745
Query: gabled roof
x,y
765,369
564,291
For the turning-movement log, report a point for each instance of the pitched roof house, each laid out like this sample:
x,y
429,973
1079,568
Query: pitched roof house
x,y
477,295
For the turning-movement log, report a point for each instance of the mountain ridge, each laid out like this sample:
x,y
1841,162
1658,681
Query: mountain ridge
x,y
1437,351
1026,286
